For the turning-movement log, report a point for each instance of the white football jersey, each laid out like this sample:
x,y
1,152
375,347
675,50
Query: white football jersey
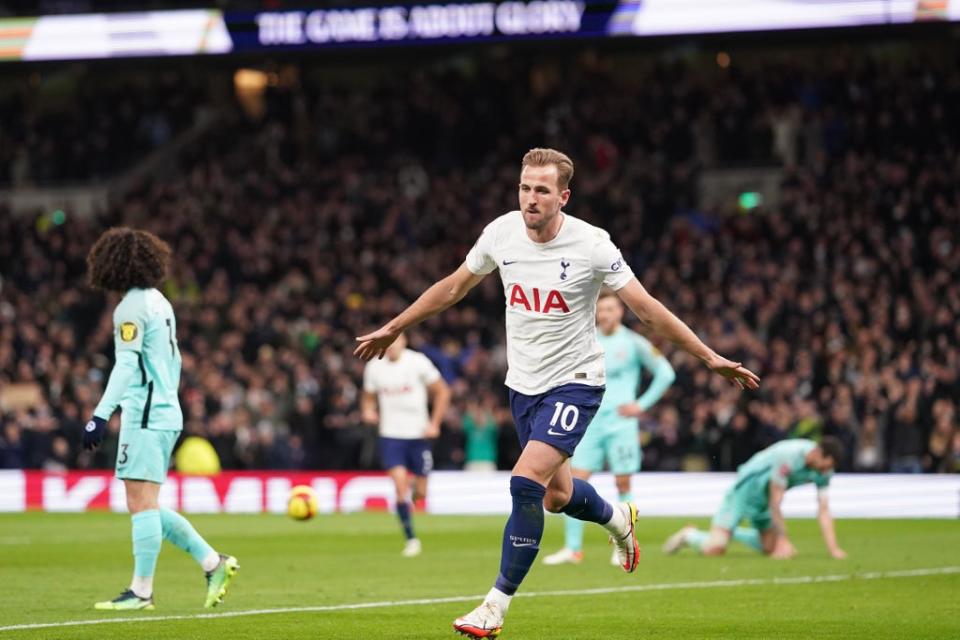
x,y
401,389
551,291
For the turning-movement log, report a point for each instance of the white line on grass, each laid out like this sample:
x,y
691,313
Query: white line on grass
x,y
714,584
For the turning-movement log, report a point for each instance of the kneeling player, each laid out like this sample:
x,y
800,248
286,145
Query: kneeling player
x,y
399,384
614,434
144,384
761,484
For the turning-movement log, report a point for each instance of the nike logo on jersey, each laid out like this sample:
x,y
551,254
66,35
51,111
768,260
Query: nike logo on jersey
x,y
506,262
551,432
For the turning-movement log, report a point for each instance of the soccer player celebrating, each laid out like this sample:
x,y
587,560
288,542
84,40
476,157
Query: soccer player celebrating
x,y
400,385
762,481
144,384
614,434
552,266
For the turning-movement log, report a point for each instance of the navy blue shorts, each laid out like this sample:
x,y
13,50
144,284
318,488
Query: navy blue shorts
x,y
559,417
416,455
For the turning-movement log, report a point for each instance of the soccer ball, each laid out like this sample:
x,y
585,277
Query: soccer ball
x,y
302,504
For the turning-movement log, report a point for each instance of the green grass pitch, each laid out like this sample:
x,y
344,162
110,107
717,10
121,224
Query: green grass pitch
x,y
902,580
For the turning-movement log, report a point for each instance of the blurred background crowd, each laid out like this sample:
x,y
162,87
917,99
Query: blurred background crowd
x,y
316,209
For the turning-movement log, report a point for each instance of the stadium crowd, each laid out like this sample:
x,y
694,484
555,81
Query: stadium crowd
x,y
295,231
73,130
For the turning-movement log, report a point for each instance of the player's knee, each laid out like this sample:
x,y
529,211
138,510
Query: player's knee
x,y
555,500
138,503
716,544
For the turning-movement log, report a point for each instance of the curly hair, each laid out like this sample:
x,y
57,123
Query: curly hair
x,y
124,258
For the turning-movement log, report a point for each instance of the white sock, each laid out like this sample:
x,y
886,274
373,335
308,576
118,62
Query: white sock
x,y
617,525
499,598
210,562
142,586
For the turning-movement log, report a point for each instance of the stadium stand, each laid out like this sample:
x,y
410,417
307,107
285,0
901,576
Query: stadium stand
x,y
341,201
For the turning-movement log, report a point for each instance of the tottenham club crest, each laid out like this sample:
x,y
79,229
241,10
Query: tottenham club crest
x,y
563,268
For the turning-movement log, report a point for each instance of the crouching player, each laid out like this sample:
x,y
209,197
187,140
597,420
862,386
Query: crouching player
x,y
762,482
144,383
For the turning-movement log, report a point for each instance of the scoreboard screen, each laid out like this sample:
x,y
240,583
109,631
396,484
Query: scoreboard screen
x,y
211,31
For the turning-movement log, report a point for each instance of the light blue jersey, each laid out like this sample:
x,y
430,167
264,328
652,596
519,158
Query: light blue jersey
x,y
626,354
613,438
783,464
146,375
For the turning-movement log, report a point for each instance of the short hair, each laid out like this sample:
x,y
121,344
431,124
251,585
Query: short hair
x,y
544,157
607,292
833,447
124,258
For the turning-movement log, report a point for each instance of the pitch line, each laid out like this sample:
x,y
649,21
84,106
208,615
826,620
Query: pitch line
x,y
666,586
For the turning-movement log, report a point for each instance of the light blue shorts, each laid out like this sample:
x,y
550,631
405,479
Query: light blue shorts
x,y
610,439
739,505
144,454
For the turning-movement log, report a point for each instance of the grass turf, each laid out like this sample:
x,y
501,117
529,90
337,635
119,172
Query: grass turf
x,y
54,566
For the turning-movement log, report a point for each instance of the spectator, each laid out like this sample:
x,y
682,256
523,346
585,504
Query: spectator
x,y
481,431
302,228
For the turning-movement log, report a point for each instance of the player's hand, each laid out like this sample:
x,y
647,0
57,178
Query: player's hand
x,y
433,431
743,377
630,410
783,550
93,433
838,554
374,345
371,417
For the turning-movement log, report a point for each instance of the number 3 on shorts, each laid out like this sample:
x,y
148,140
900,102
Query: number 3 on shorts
x,y
123,454
566,414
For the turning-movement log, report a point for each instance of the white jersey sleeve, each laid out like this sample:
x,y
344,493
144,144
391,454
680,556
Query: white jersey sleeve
x,y
609,264
427,372
480,258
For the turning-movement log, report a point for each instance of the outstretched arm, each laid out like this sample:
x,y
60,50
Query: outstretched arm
x,y
826,527
440,296
652,313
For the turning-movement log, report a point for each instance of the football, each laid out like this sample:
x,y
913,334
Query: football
x,y
302,504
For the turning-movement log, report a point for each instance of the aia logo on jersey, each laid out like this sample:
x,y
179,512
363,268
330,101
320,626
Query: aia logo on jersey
x,y
541,301
397,391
